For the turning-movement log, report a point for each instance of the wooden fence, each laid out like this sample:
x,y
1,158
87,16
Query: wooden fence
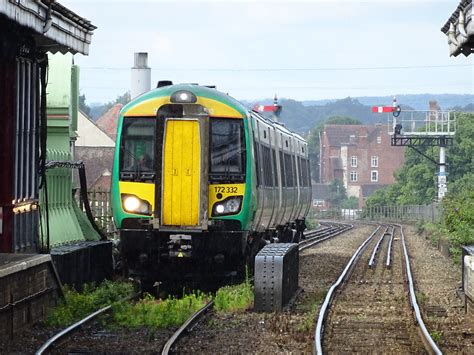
x,y
101,210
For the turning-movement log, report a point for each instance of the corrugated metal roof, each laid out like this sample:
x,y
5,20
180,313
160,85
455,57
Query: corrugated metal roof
x,y
454,17
55,27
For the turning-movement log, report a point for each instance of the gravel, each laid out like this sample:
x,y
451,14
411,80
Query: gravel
x,y
436,278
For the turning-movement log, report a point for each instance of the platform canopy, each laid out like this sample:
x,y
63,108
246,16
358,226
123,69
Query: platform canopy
x,y
56,28
460,30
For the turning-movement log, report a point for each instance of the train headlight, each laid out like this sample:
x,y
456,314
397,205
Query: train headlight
x,y
133,204
230,205
183,97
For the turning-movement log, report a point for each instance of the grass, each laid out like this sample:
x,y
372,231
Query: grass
x,y
148,312
234,298
156,313
76,306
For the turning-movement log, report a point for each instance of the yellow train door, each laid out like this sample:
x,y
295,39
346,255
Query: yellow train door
x,y
181,173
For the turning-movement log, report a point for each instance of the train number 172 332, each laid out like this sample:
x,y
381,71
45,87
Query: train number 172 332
x,y
225,189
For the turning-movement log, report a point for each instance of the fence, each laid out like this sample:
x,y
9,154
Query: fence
x,y
432,213
101,210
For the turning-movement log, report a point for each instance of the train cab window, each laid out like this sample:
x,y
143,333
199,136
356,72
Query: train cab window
x,y
227,150
137,147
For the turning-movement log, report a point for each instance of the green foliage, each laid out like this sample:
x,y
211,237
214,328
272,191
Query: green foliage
x,y
416,181
338,195
234,298
153,313
83,106
436,335
350,203
458,206
77,305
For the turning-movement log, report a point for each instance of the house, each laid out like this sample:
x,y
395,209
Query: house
x,y
95,146
360,156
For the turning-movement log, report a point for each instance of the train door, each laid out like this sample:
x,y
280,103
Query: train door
x,y
184,175
181,173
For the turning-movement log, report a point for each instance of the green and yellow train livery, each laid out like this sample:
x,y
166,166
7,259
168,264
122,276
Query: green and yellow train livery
x,y
200,183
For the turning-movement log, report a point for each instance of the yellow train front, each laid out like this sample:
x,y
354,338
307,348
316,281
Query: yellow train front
x,y
200,184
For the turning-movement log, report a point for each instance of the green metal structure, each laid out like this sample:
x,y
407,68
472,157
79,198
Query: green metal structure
x,y
67,223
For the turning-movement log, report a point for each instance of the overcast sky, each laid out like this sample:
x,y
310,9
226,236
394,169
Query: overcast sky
x,y
304,50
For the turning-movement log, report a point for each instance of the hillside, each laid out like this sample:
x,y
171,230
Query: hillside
x,y
302,116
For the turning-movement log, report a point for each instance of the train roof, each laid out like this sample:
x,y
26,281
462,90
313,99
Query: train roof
x,y
203,93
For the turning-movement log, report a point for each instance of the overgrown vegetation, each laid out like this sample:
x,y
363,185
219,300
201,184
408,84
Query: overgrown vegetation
x,y
234,298
156,313
77,305
148,312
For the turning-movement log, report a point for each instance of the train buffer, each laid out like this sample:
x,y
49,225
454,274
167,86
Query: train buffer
x,y
276,276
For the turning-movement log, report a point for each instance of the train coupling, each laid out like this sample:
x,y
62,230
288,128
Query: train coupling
x,y
180,246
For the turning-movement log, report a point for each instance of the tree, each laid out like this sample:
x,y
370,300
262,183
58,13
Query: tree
x,y
314,142
416,181
337,193
83,106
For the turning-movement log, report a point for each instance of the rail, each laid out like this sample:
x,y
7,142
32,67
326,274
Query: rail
x,y
318,347
329,231
186,325
388,263
54,339
411,287
427,339
376,249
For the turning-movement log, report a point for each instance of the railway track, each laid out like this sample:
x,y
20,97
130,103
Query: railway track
x,y
328,230
62,334
373,311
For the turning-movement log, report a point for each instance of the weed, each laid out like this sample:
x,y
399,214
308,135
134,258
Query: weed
x,y
421,298
309,319
77,305
436,335
234,298
153,313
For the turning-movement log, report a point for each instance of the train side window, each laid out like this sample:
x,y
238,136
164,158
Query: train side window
x,y
300,172
257,162
295,176
282,169
274,171
288,171
304,172
267,166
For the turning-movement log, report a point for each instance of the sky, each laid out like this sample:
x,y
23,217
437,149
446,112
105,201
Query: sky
x,y
306,50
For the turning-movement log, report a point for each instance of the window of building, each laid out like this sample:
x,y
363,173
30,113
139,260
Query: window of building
x,y
374,176
353,175
379,139
375,161
353,161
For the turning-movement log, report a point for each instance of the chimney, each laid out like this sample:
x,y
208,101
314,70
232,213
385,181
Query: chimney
x,y
141,75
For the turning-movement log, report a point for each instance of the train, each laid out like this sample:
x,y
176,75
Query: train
x,y
201,183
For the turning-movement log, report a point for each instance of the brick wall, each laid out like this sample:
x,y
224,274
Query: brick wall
x,y
25,297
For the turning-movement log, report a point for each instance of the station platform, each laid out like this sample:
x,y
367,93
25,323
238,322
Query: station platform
x,y
29,285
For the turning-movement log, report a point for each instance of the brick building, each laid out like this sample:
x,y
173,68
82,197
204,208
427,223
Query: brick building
x,y
360,156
